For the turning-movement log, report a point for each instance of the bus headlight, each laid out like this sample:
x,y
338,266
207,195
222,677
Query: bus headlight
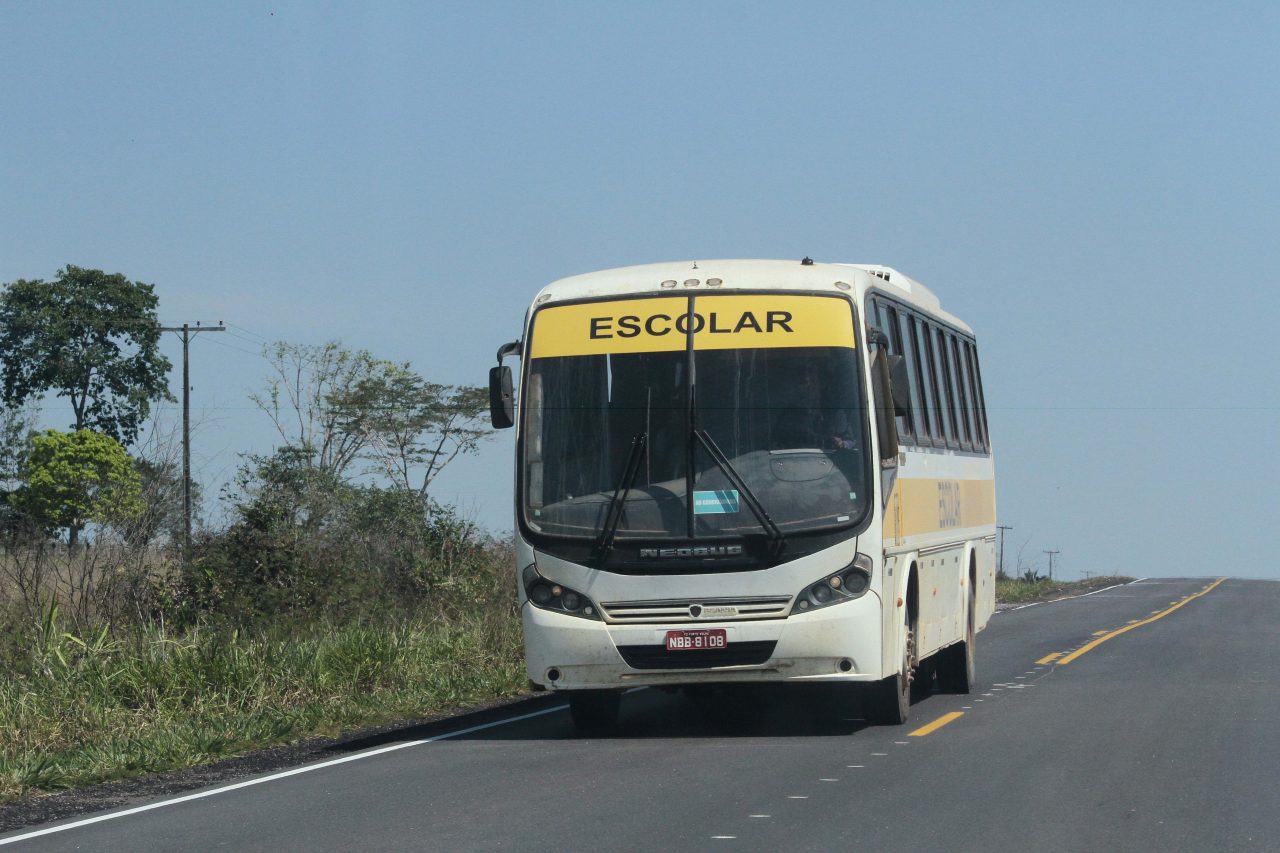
x,y
848,583
552,596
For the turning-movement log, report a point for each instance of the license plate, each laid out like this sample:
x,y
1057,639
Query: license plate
x,y
700,639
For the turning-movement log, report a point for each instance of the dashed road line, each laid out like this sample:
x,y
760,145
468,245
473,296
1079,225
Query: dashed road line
x,y
1156,614
930,728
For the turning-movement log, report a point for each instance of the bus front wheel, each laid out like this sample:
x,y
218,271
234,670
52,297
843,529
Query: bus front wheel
x,y
890,702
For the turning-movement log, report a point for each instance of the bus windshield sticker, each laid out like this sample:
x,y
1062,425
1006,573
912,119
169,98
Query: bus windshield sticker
x,y
715,502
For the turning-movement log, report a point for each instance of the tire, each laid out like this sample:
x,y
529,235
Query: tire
x,y
956,667
890,699
594,711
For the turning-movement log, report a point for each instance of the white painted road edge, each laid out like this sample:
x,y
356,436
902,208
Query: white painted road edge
x,y
258,781
1067,597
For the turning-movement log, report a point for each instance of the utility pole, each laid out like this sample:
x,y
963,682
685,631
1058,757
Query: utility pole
x,y
1051,553
186,330
1002,528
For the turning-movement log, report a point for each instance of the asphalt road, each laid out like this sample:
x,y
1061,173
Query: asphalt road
x,y
1160,737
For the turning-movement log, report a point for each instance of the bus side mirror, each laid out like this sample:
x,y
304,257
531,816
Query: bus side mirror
x,y
502,400
900,382
502,404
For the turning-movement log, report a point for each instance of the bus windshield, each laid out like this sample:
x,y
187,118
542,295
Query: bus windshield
x,y
720,428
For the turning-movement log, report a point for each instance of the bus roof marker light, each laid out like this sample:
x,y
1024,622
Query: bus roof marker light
x,y
714,282
669,283
691,282
543,298
840,285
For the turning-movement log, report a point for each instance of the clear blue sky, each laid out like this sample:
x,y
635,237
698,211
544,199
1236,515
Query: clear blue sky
x,y
1093,187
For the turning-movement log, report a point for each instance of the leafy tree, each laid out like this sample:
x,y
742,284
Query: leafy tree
x,y
416,427
72,479
88,336
341,407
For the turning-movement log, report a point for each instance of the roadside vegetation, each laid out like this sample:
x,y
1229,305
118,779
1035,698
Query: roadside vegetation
x,y
1036,588
335,594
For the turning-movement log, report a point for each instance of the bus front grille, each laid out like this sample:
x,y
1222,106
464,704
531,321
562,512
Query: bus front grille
x,y
750,653
665,611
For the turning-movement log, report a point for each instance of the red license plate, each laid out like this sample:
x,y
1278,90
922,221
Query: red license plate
x,y
700,639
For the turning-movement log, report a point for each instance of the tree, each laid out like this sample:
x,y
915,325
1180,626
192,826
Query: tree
x,y
162,517
16,429
416,427
340,407
72,479
91,337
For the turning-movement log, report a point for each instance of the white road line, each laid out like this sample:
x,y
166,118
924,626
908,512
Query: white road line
x,y
797,797
284,774
759,815
1065,598
855,765
828,780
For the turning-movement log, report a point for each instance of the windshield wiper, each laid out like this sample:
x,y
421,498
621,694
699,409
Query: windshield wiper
x,y
612,518
776,536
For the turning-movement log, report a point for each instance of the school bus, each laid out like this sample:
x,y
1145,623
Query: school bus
x,y
748,471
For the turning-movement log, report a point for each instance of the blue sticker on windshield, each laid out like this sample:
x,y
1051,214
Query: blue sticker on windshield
x,y
720,501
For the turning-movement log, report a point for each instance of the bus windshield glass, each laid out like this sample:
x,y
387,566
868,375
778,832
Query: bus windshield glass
x,y
761,403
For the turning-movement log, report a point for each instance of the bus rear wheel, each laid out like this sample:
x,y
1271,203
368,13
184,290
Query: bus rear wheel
x,y
594,711
957,670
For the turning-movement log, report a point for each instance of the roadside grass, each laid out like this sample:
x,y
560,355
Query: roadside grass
x,y
92,709
1017,591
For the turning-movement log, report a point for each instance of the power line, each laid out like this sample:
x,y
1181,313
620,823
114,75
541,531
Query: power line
x,y
186,330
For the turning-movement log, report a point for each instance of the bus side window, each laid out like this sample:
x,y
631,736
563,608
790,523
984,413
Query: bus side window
x,y
906,334
965,367
928,359
946,414
959,394
906,429
982,399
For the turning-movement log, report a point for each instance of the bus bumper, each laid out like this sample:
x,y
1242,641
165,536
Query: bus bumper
x,y
837,643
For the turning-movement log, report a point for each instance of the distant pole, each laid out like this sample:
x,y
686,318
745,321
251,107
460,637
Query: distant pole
x,y
1051,553
186,330
1002,528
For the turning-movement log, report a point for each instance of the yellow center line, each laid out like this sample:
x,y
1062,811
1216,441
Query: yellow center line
x,y
930,728
1159,614
1050,658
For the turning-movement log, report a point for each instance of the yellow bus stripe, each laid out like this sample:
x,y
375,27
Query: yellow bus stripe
x,y
926,506
1090,646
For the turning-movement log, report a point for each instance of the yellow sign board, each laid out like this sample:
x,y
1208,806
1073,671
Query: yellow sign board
x,y
662,324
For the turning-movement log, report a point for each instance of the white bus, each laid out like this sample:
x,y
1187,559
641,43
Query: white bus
x,y
748,471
